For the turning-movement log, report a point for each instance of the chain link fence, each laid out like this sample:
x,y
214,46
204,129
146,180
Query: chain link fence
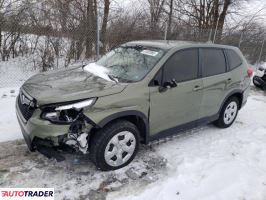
x,y
25,52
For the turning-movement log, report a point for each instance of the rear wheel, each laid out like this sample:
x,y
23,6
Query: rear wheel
x,y
115,145
228,113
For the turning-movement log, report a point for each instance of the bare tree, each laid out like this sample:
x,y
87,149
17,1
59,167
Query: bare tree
x,y
104,24
222,16
90,18
156,10
170,15
206,15
74,21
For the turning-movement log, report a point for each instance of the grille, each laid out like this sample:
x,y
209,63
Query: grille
x,y
26,106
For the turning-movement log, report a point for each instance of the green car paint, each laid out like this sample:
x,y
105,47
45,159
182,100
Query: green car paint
x,y
161,110
68,85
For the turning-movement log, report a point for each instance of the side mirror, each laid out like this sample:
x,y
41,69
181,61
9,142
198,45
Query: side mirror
x,y
173,83
167,85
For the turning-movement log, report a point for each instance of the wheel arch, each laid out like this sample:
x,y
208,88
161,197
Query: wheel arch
x,y
136,117
236,93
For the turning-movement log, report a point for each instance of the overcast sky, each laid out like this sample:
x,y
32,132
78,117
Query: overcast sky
x,y
255,7
251,7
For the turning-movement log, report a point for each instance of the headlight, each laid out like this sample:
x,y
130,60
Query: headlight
x,y
66,113
76,106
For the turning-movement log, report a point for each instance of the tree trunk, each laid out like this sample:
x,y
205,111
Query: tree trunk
x,y
156,9
0,37
104,25
79,49
1,24
89,29
222,19
169,28
215,13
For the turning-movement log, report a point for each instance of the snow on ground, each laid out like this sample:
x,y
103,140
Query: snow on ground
x,y
211,163
13,74
204,163
16,71
9,127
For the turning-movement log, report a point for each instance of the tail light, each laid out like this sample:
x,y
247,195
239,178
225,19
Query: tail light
x,y
250,72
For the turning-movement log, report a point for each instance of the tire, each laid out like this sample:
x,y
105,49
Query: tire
x,y
256,84
228,113
264,87
115,145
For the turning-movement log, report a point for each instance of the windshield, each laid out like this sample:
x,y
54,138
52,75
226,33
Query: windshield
x,y
129,63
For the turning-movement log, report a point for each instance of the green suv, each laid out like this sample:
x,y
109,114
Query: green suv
x,y
138,92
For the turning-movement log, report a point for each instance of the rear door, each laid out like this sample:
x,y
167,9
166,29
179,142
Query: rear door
x,y
215,80
179,104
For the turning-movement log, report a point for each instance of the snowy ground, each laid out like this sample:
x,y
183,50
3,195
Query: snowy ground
x,y
205,163
9,127
210,163
16,71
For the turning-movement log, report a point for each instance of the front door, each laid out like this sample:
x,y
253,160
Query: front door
x,y
179,102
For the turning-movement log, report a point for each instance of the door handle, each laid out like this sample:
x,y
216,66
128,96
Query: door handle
x,y
229,80
197,88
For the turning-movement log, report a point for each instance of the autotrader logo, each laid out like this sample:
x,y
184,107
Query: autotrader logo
x,y
27,193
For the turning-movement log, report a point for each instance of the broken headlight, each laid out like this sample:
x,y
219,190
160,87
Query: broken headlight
x,y
66,113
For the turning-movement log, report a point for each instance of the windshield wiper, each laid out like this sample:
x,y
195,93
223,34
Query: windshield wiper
x,y
113,78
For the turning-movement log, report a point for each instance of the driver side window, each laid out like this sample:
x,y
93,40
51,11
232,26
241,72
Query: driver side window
x,y
182,66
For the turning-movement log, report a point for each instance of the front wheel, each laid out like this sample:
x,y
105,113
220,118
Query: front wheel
x,y
228,113
115,145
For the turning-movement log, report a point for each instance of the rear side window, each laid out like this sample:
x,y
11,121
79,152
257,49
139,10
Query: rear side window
x,y
234,59
213,62
182,66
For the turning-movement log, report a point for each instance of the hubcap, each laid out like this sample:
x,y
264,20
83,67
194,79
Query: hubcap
x,y
230,112
120,148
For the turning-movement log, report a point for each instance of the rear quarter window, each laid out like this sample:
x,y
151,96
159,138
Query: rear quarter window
x,y
234,59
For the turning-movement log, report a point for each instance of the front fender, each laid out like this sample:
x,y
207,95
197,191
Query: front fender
x,y
112,117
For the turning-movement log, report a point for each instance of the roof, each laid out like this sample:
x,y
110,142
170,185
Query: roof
x,y
168,44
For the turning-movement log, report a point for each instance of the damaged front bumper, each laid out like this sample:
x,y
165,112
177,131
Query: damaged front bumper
x,y
45,136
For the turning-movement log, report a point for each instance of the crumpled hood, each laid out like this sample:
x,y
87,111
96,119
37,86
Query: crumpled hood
x,y
69,85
